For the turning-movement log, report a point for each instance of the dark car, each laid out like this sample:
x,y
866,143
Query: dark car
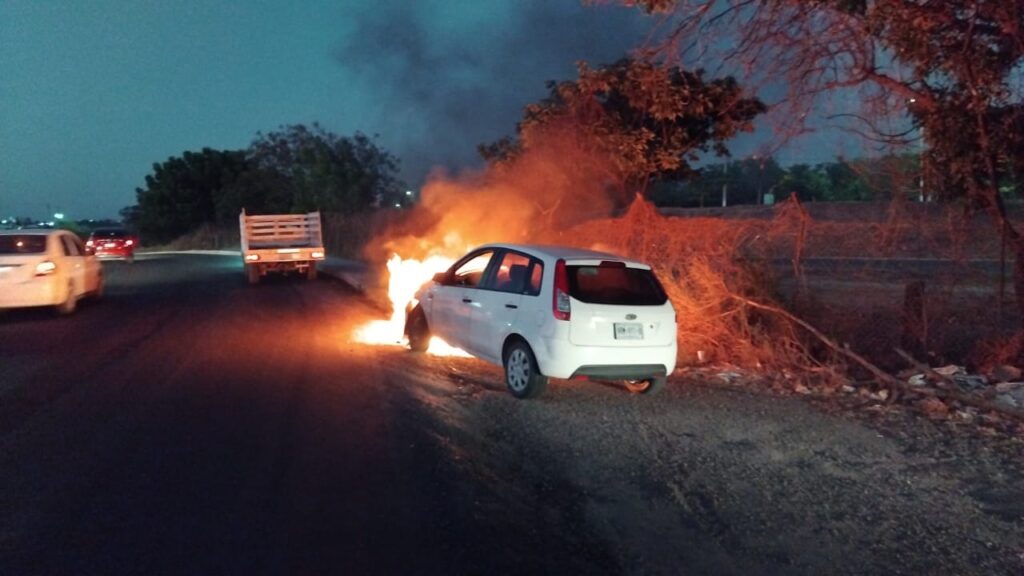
x,y
113,243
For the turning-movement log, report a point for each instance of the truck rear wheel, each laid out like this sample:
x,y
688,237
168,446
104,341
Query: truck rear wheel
x,y
311,271
253,272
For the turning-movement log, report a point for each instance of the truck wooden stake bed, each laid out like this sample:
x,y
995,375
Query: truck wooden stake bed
x,y
280,243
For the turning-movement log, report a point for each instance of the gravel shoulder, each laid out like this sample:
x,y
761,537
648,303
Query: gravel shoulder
x,y
709,479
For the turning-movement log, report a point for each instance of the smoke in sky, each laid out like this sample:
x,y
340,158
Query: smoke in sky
x,y
446,76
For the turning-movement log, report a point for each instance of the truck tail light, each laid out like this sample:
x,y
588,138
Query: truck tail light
x,y
45,268
252,257
561,305
318,254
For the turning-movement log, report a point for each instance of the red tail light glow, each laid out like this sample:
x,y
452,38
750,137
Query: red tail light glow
x,y
561,306
129,242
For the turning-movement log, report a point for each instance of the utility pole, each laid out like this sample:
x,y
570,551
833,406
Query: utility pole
x,y
725,185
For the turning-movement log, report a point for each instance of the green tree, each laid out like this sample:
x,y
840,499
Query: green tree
x,y
644,120
809,183
318,170
181,193
954,66
296,169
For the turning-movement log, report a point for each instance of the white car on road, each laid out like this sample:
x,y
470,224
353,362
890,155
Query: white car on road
x,y
547,311
46,268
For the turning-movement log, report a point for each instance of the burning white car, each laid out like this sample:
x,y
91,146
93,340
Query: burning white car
x,y
547,311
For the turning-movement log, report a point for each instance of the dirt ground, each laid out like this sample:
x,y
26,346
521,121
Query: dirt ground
x,y
708,477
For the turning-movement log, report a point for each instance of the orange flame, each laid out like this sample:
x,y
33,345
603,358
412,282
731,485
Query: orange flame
x,y
406,277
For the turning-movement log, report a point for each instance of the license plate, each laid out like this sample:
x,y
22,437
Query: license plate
x,y
629,331
109,245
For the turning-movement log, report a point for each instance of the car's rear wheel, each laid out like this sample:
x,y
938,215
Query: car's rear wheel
x,y
253,272
522,376
646,386
70,302
417,330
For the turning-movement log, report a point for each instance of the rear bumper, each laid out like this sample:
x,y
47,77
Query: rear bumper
x,y
623,372
114,254
561,359
35,292
283,259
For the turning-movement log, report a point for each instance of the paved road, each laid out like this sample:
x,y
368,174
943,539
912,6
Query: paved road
x,y
192,424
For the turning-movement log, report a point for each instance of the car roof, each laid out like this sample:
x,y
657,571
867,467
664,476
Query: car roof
x,y
564,252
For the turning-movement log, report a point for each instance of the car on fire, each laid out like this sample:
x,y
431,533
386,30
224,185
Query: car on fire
x,y
46,268
548,311
112,243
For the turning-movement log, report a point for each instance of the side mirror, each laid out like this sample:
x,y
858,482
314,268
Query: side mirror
x,y
441,278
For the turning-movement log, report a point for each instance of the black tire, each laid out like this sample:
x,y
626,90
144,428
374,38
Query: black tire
x,y
522,376
70,303
253,273
417,330
646,386
311,271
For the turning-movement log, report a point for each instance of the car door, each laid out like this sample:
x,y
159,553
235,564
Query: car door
x,y
91,266
452,301
74,263
495,313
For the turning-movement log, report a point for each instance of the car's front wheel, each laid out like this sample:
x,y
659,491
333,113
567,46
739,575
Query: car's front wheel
x,y
646,386
417,330
522,376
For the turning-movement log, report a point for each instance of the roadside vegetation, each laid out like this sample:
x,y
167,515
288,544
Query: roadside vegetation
x,y
295,169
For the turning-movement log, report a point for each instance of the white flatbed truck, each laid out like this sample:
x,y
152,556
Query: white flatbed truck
x,y
280,243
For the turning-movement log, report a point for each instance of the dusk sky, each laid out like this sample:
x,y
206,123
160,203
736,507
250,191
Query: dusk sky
x,y
95,91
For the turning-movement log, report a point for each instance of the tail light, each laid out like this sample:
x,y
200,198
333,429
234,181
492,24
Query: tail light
x,y
317,254
89,243
252,257
129,242
45,268
560,304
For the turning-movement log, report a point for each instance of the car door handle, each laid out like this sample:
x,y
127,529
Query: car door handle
x,y
512,306
467,300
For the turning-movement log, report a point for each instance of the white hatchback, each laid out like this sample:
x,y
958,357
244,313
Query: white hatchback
x,y
548,311
46,268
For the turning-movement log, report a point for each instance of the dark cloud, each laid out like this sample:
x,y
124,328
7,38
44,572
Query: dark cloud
x,y
446,76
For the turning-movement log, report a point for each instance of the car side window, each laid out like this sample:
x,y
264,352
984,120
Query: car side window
x,y
512,274
470,273
78,244
536,274
69,247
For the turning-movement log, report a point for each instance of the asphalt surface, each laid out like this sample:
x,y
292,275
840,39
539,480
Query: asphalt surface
x,y
191,424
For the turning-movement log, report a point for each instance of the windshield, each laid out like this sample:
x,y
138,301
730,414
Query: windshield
x,y
614,284
104,234
23,244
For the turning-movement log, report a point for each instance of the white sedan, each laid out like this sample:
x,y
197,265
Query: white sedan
x,y
543,311
46,268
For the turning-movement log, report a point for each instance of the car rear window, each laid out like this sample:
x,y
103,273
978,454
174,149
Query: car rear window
x,y
615,284
23,244
110,234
